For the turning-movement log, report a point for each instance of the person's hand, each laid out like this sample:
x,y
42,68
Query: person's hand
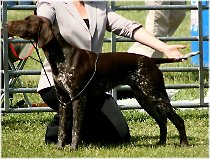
x,y
172,51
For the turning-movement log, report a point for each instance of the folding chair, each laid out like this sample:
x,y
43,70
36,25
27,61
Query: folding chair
x,y
17,53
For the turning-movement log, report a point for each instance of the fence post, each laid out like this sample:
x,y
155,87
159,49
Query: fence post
x,y
5,58
113,49
200,41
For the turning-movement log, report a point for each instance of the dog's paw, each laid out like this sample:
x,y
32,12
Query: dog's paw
x,y
73,147
161,143
60,146
184,144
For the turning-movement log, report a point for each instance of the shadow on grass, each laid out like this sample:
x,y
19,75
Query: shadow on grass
x,y
137,116
141,142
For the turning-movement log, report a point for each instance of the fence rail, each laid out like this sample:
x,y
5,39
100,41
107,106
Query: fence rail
x,y
113,40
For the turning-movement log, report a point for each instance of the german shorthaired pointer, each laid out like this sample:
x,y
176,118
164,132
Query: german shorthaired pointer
x,y
73,68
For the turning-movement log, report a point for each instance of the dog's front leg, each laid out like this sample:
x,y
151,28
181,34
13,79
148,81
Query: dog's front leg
x,y
63,112
78,113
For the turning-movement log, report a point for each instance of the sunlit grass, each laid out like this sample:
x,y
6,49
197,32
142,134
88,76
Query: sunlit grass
x,y
23,136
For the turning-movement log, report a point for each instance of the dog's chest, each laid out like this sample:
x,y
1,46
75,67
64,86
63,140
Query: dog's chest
x,y
66,78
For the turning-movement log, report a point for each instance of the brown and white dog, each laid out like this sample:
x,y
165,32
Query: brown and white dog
x,y
73,68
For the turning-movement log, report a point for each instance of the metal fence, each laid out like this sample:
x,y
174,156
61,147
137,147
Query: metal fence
x,y
7,87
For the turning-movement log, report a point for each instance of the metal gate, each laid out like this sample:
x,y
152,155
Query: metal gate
x,y
7,89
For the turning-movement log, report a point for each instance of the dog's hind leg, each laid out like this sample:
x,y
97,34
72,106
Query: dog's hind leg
x,y
179,123
148,106
162,122
151,95
165,108
159,107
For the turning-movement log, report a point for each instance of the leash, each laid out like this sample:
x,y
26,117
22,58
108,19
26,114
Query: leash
x,y
40,60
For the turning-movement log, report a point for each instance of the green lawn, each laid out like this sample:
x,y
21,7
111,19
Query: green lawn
x,y
23,136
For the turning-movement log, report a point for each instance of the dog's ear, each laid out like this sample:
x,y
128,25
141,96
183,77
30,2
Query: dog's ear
x,y
45,34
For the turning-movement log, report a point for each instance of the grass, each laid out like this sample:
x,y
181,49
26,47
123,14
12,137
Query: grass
x,y
23,136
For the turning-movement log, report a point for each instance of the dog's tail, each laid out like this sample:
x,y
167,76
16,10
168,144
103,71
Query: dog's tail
x,y
171,60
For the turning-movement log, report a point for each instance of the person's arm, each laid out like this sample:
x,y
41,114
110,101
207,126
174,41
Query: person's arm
x,y
45,9
119,24
144,37
123,27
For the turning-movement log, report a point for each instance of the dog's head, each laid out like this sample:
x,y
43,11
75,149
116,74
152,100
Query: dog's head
x,y
32,27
